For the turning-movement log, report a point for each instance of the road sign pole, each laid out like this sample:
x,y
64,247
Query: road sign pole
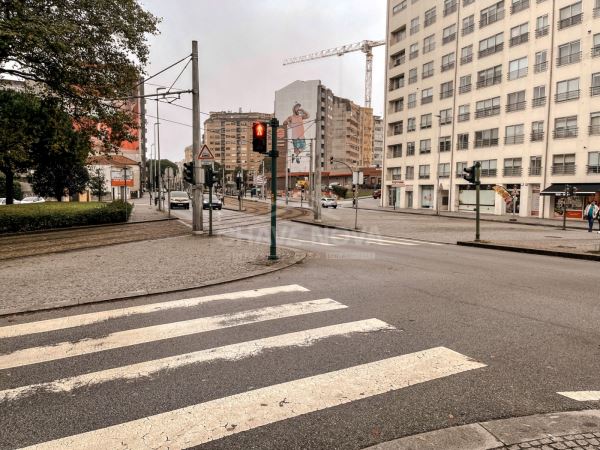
x,y
273,249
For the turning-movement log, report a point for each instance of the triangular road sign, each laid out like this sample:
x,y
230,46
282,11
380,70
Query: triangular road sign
x,y
205,153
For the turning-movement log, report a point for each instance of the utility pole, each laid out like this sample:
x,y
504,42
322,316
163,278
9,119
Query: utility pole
x,y
477,200
310,176
317,180
160,187
274,154
143,171
197,225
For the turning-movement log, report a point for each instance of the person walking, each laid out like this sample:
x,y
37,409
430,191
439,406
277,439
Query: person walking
x,y
590,213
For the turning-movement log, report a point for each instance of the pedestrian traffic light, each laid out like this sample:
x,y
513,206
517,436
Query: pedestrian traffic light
x,y
259,137
211,177
188,173
238,182
470,174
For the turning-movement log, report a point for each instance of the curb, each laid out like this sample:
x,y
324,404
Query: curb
x,y
534,251
535,432
297,258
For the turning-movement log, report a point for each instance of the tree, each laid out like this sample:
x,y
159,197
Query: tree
x,y
18,194
84,52
164,163
97,183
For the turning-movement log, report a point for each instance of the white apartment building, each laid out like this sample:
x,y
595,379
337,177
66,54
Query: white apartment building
x,y
513,84
378,127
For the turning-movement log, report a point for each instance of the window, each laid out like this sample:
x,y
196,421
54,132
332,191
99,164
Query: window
x,y
396,82
466,54
426,96
425,121
519,34
462,141
460,168
463,113
567,90
535,165
447,62
517,68
518,5
486,138
414,25
541,61
398,35
397,59
467,2
539,96
593,162
412,76
397,105
491,45
489,77
596,47
570,15
449,7
410,173
487,108
488,168
569,53
512,167
411,124
414,51
563,164
412,100
444,170
464,84
410,149
449,34
424,172
515,101
447,89
395,151
565,127
514,134
468,25
541,26
395,173
429,43
537,131
595,89
430,16
399,7
396,128
445,144
594,129
446,116
425,146
491,14
427,70
596,9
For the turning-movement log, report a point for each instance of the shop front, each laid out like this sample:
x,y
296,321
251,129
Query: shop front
x,y
467,198
574,204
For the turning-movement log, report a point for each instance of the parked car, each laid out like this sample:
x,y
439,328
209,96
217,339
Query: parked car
x,y
179,199
3,201
329,202
377,193
216,203
33,200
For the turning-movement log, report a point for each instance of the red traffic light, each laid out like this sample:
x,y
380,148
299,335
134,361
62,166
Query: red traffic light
x,y
258,129
259,137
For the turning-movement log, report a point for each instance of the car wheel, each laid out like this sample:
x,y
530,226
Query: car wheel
x,y
335,207
187,207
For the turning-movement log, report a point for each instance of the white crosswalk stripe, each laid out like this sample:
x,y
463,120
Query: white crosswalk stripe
x,y
210,420
582,396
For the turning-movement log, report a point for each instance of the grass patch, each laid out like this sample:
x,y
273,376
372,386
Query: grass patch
x,y
51,215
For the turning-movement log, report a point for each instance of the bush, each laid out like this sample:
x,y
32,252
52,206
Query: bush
x,y
45,216
340,191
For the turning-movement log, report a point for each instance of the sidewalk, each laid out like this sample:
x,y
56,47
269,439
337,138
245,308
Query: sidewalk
x,y
143,211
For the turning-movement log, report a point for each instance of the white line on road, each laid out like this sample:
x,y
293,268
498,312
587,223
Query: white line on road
x,y
387,241
216,419
582,396
381,244
101,316
136,336
306,242
232,352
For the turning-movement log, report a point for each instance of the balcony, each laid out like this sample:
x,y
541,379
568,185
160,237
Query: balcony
x,y
426,100
488,172
537,136
464,117
568,59
518,106
491,18
593,169
464,89
538,102
485,82
487,112
516,74
449,38
397,61
541,32
490,142
570,21
447,66
567,96
519,6
450,8
446,94
512,171
563,169
515,139
468,29
535,171
430,20
491,50
565,133
594,130
466,59
540,67
594,91
518,40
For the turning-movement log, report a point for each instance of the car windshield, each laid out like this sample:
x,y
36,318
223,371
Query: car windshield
x,y
179,194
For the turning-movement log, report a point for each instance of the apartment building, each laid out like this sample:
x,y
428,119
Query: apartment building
x,y
378,127
513,84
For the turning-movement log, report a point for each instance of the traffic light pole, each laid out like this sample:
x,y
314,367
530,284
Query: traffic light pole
x,y
477,200
273,250
197,225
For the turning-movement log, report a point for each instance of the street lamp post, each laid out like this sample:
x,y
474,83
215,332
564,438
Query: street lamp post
x,y
437,167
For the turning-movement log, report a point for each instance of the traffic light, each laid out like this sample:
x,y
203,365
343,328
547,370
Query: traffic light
x,y
211,177
471,174
572,190
238,182
331,160
259,137
188,173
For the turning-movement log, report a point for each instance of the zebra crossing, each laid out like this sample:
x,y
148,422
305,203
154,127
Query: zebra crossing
x,y
39,343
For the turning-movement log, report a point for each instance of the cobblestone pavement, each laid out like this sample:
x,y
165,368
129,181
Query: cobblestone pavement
x,y
587,441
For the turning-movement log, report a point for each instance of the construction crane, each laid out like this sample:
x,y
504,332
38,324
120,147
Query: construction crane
x,y
364,46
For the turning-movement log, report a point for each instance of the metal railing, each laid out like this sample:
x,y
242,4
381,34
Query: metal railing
x,y
447,66
535,171
491,18
426,100
413,55
487,112
595,51
412,80
462,145
497,79
515,139
424,176
537,136
448,38
596,12
537,102
516,74
429,47
563,169
430,20
512,171
570,21
594,130
491,50
517,106
411,105
521,39
541,32
466,59
427,74
468,29
464,88
397,61
464,117
519,6
564,133
396,176
490,142
593,169
414,29
540,67
594,90
409,177
488,172
568,59
567,96
425,126
450,8
446,94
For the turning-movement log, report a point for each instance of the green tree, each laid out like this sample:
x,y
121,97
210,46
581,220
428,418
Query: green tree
x,y
84,52
97,183
164,163
18,194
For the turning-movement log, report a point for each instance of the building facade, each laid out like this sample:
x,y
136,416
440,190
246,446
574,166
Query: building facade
x,y
514,85
378,126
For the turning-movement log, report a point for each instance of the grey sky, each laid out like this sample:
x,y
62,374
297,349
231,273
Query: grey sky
x,y
242,44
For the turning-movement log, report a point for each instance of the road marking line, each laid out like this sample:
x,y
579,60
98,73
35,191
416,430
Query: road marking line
x,y
582,396
101,316
396,240
374,243
232,352
204,422
35,355
307,242
387,241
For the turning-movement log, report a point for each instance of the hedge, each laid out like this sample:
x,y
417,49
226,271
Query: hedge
x,y
50,215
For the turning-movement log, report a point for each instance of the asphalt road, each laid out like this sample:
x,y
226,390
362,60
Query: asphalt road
x,y
373,338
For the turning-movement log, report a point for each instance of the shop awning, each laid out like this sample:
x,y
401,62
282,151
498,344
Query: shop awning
x,y
582,189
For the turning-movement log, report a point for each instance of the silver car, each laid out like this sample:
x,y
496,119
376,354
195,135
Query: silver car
x,y
179,199
329,202
33,200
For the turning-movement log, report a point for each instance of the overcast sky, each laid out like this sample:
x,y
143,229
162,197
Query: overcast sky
x,y
242,44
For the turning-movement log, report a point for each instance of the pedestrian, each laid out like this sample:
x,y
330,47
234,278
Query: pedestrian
x,y
590,213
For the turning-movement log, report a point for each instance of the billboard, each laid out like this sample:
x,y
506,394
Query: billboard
x,y
296,109
117,177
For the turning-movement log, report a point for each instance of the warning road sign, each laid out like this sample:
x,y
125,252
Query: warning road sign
x,y
205,153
